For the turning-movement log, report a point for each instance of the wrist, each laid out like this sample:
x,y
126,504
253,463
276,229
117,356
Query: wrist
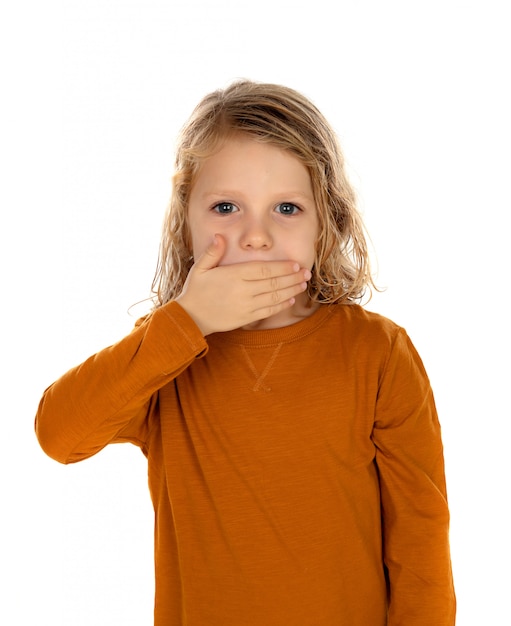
x,y
189,310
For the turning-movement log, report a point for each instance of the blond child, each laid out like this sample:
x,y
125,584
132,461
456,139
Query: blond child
x,y
294,451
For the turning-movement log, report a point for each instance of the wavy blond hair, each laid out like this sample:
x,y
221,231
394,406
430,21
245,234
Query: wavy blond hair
x,y
284,118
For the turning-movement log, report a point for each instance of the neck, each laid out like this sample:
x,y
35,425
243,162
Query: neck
x,y
302,308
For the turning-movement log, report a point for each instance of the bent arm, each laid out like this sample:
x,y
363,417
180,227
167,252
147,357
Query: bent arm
x,y
415,514
92,403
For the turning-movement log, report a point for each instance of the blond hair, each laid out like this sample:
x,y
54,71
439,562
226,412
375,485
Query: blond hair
x,y
286,119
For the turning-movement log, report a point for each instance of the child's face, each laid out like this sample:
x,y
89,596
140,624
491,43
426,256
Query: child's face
x,y
260,199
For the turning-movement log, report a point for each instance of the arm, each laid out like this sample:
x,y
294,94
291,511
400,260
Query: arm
x,y
91,404
110,396
415,515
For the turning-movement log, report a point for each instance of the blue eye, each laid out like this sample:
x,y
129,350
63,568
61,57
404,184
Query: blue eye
x,y
225,208
286,208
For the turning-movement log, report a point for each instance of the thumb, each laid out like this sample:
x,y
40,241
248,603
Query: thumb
x,y
212,255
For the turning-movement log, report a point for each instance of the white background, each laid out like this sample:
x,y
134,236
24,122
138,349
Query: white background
x,y
93,95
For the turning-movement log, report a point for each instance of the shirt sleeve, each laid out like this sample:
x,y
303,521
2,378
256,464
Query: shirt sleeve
x,y
415,516
110,396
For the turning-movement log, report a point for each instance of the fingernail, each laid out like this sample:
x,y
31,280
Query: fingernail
x,y
307,275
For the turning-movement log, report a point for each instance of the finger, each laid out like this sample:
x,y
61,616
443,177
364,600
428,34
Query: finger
x,y
278,297
212,255
264,270
278,283
272,309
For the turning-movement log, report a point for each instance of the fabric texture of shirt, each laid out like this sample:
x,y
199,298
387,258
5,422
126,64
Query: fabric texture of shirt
x,y
296,473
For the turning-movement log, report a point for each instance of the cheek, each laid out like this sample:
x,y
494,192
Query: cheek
x,y
198,238
315,241
187,238
198,247
307,248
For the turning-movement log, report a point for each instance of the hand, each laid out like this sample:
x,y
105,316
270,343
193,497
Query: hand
x,y
221,298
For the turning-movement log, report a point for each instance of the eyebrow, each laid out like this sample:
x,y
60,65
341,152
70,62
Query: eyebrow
x,y
287,194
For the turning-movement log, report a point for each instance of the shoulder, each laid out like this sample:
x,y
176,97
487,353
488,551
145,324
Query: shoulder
x,y
372,340
357,322
371,336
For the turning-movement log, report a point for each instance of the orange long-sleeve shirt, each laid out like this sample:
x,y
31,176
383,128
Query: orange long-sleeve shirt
x,y
296,474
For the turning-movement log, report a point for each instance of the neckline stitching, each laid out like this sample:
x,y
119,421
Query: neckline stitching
x,y
259,384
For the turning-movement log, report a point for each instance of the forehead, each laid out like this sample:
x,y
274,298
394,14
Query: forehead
x,y
243,160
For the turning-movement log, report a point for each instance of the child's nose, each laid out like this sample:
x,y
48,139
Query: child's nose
x,y
256,235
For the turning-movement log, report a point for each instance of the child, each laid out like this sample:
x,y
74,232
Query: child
x,y
294,451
